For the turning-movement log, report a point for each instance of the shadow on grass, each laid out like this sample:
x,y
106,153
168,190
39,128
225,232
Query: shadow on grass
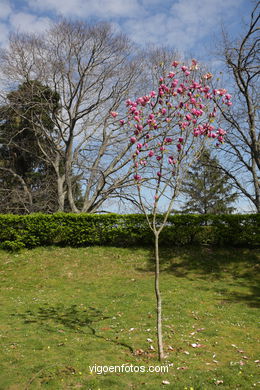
x,y
70,317
209,263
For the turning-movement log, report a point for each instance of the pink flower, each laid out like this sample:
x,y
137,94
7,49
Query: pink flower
x,y
159,174
151,153
137,177
220,91
122,122
139,146
163,111
153,94
158,158
228,96
221,139
171,75
168,140
221,131
179,147
180,139
188,117
175,63
133,140
139,127
207,76
194,65
174,83
113,114
184,68
187,73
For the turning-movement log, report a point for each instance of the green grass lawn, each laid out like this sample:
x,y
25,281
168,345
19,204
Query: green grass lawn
x,y
65,310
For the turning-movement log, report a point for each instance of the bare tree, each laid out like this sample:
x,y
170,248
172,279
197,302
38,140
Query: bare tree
x,y
92,70
242,148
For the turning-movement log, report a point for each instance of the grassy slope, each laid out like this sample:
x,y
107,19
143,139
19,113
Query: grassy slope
x,y
64,310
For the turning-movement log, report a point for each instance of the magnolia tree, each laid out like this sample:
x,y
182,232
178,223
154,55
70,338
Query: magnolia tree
x,y
170,128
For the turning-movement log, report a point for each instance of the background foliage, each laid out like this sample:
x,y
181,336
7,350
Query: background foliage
x,y
79,230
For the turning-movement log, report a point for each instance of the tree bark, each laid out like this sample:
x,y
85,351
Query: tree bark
x,y
158,299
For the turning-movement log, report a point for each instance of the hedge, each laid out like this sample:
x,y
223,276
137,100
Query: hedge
x,y
67,229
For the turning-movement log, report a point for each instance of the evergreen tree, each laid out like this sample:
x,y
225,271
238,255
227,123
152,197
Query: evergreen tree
x,y
207,189
27,180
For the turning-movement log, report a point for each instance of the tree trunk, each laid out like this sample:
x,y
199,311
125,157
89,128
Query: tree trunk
x,y
61,193
158,299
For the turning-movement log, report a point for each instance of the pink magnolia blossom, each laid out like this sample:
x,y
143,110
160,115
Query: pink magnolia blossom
x,y
139,127
179,147
114,114
137,177
221,131
151,153
159,174
175,63
163,111
122,122
194,65
133,140
220,91
207,76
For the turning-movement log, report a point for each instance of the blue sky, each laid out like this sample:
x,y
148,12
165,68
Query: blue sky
x,y
191,26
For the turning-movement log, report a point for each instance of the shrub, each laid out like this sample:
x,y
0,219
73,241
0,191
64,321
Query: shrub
x,y
68,229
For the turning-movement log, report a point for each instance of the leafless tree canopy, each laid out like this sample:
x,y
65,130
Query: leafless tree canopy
x,y
242,162
92,70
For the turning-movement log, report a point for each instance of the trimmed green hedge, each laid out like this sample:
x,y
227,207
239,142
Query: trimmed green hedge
x,y
77,230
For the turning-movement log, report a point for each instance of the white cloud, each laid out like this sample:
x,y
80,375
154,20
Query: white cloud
x,y
5,9
87,8
26,22
186,23
4,32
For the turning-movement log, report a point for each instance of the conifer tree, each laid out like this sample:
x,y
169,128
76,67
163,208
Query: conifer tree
x,y
207,189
